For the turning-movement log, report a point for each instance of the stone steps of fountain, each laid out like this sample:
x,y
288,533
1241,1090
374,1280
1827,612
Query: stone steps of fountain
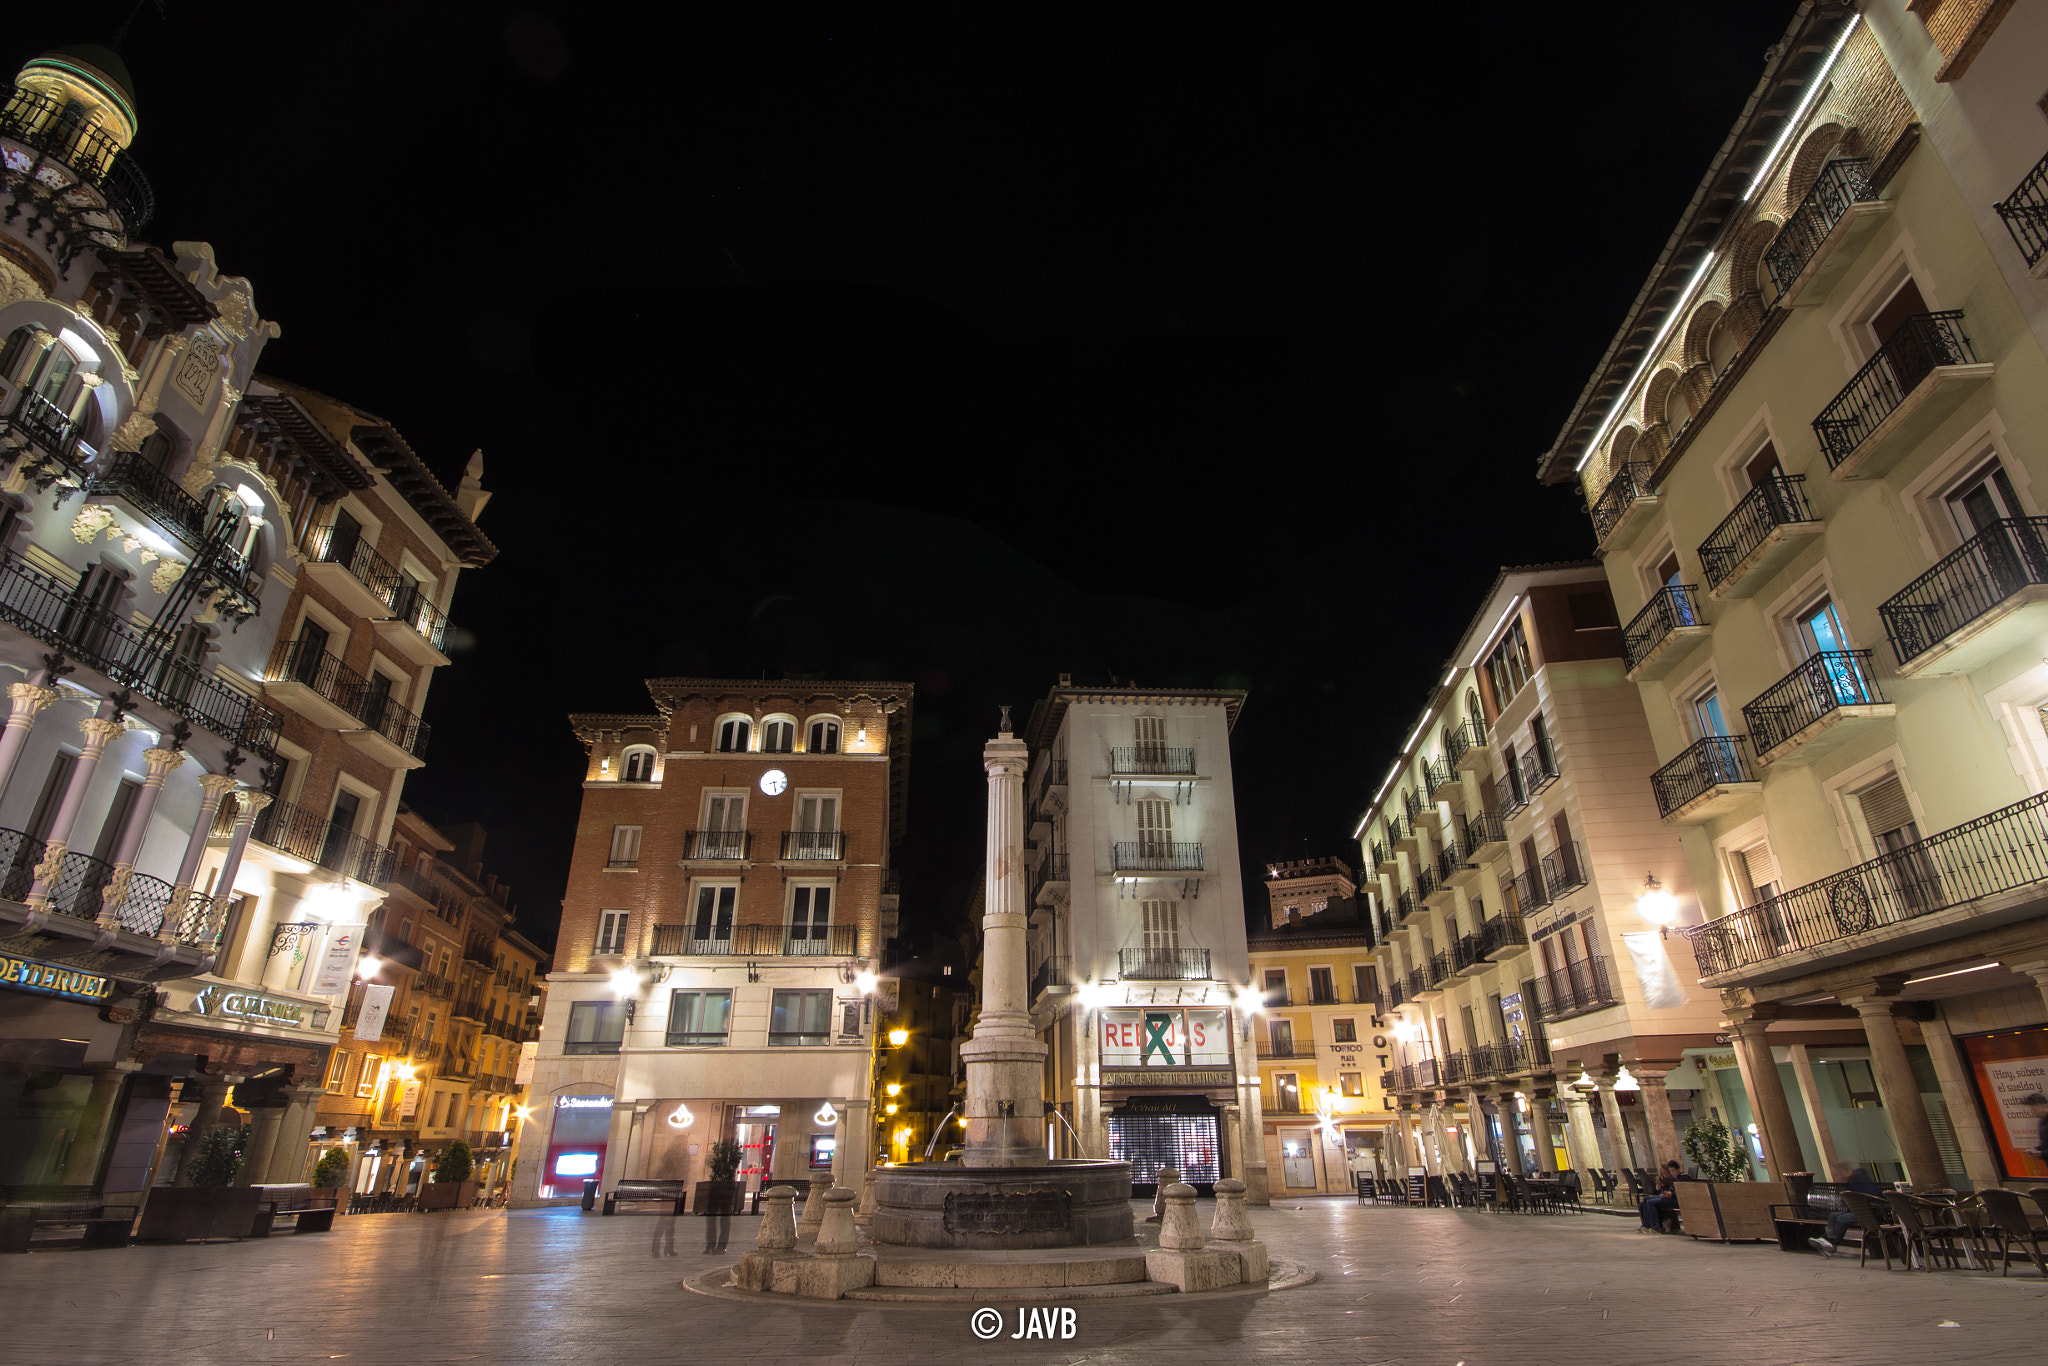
x,y
1064,1269
905,1294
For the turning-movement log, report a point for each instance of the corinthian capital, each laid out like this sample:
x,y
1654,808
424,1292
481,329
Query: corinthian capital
x,y
99,733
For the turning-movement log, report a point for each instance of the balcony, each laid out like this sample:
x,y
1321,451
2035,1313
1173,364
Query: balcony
x,y
1405,905
1051,873
814,846
1401,831
1564,872
1155,856
1913,382
103,171
1163,965
754,941
1507,791
1438,774
51,439
1578,988
416,628
1277,996
153,493
1380,857
1466,957
1539,770
1397,992
1439,968
435,985
1468,747
1769,526
1390,1080
1425,883
1662,636
1418,983
1052,974
40,606
1987,598
1824,233
1486,834
1828,700
1532,890
2025,212
718,845
1142,759
1624,506
1502,937
342,560
315,840
321,688
1419,1076
1285,1051
1456,1068
1709,778
1988,872
1450,863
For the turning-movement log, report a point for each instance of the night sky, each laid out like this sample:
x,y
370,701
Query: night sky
x,y
1202,348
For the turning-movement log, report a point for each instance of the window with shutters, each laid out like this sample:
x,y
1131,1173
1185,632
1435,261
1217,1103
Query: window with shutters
x,y
1151,737
639,766
1162,924
735,733
778,735
810,916
611,933
625,847
1155,827
1756,874
1887,815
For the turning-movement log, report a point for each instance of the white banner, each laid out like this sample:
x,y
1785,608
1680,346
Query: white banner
x,y
1661,987
1164,1036
409,1100
339,960
528,1051
370,1023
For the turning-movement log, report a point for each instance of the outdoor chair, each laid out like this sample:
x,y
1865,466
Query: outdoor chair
x,y
1568,1188
1604,1182
1871,1223
1926,1231
2039,1195
2009,1224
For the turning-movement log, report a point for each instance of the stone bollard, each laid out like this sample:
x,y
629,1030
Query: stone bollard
x,y
1231,1225
864,1213
837,1235
1166,1177
814,1203
1179,1230
778,1220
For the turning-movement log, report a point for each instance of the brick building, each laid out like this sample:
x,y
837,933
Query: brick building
x,y
729,893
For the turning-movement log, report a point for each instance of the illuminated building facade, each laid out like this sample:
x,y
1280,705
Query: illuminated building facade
x,y
1810,458
729,894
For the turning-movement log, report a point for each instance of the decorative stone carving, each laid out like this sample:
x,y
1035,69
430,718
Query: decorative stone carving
x,y
91,520
197,371
138,428
16,285
167,573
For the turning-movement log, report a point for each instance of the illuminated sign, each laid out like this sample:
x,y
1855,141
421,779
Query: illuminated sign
x,y
576,1164
583,1102
47,979
234,1003
1164,1036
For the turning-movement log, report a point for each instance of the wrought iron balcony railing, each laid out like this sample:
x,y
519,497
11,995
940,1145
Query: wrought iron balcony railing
x,y
1275,1051
1629,482
1405,905
732,844
1508,792
1466,952
1564,871
1700,768
1439,967
712,940
131,477
1425,881
1455,1068
41,123
1156,856
1484,828
1437,774
53,613
1820,686
1413,804
1379,853
1397,992
302,661
1841,182
1151,759
1500,932
825,845
1532,890
1398,829
52,439
1163,965
2005,851
1670,607
1780,500
1578,988
1467,735
1418,982
1450,861
1539,770
408,602
307,835
2025,212
1053,972
1992,566
1051,868
1922,343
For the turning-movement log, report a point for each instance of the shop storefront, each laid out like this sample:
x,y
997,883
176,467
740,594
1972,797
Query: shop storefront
x,y
51,1035
1167,1073
578,1134
2010,1069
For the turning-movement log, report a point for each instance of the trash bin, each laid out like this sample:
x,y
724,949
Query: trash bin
x,y
589,1194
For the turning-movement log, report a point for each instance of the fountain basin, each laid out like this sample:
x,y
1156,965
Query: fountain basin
x,y
1077,1202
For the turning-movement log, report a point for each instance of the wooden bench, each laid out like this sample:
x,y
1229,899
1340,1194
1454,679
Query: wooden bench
x,y
1730,1211
101,1225
310,1208
672,1194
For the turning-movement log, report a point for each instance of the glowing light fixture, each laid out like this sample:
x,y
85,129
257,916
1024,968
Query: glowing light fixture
x,y
898,1037
894,1089
681,1118
405,1071
368,966
865,981
1250,1000
1656,905
889,1109
626,982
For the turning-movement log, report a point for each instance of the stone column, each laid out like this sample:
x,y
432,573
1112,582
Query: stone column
x,y
211,1094
1617,1127
1580,1140
161,762
1005,1058
1958,1090
99,732
82,1162
265,1121
1900,1090
1767,1098
2034,968
1657,1114
1539,1132
1816,1113
853,1158
24,701
618,1147
289,1163
1257,1178
231,865
212,787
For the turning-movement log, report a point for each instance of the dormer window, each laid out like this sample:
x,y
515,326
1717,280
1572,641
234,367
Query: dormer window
x,y
778,736
638,766
824,737
734,735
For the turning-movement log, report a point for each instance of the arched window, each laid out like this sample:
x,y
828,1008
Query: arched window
x,y
639,765
735,733
247,507
778,735
1472,707
824,736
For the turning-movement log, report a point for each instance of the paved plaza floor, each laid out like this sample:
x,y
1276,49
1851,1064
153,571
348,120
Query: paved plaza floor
x,y
1394,1285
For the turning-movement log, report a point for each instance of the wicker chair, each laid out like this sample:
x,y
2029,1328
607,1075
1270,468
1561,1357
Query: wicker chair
x,y
2009,1224
1871,1223
1927,1228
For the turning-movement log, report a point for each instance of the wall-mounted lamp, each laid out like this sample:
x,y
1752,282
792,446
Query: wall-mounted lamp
x,y
368,966
1656,905
898,1037
1624,1080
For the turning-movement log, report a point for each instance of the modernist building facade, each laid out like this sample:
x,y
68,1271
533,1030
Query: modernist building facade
x,y
1137,935
1810,457
727,896
1535,1007
194,815
1321,1043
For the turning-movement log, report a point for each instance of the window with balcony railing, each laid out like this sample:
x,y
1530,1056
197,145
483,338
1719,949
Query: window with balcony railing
x,y
1777,500
1151,758
1563,871
1699,769
1670,607
1630,481
1841,182
1163,964
1922,344
2009,555
1821,685
2025,212
1578,988
1156,856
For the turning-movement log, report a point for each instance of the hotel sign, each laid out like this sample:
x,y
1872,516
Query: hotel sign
x,y
47,979
251,1006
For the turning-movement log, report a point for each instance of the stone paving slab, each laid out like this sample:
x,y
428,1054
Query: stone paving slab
x,y
1431,1287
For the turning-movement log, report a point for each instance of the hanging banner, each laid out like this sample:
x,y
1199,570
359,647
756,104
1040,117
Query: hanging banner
x,y
376,1004
1153,1036
1661,988
338,963
409,1100
528,1051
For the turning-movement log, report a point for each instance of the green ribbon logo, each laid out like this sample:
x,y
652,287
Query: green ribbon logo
x,y
1155,1037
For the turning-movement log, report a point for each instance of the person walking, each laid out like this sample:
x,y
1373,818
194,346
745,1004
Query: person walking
x,y
1653,1208
718,1223
664,1234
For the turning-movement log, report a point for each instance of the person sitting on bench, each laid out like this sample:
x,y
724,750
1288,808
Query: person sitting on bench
x,y
1654,1207
1857,1180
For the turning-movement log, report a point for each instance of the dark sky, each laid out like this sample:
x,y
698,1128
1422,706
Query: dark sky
x,y
1201,347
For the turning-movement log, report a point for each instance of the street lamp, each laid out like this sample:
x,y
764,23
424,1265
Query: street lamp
x,y
898,1037
1656,905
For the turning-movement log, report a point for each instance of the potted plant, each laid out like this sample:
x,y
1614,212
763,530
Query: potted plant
x,y
720,1195
1715,1152
209,1205
331,1170
451,1187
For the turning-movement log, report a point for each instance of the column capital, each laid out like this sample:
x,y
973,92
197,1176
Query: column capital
x,y
218,785
29,698
99,732
162,763
252,801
